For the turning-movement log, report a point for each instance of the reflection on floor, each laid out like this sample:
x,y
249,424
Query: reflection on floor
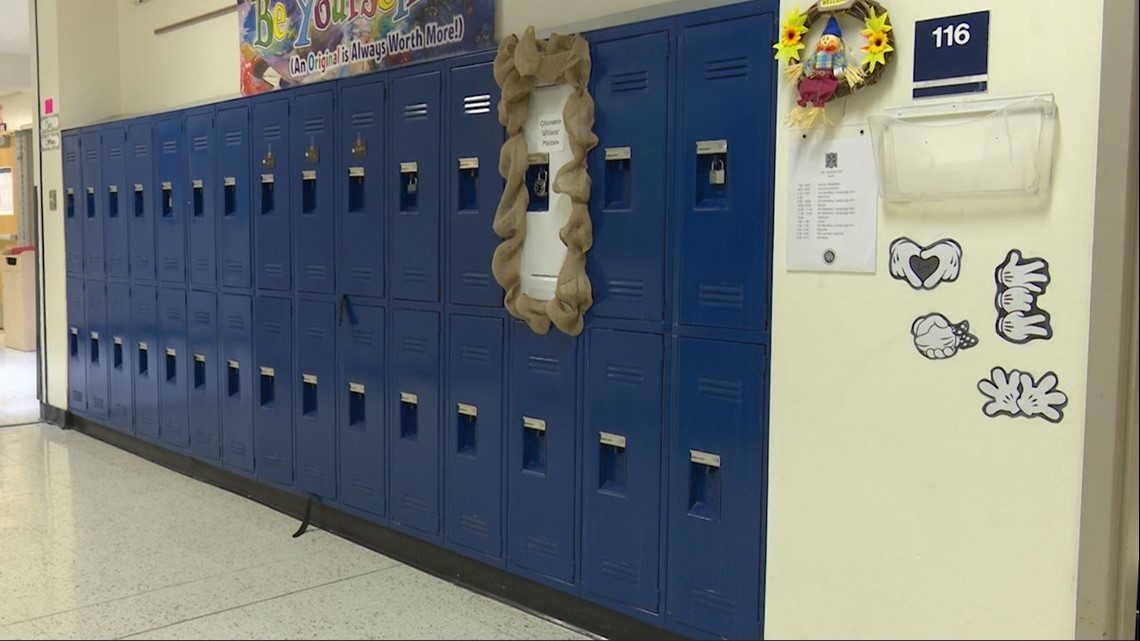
x,y
99,543
18,402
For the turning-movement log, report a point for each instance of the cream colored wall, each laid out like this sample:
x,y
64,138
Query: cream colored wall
x,y
19,109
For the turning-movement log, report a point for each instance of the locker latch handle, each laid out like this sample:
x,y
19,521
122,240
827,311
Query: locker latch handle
x,y
356,388
138,188
608,438
469,163
229,181
196,183
704,458
91,190
467,410
112,189
409,398
356,172
309,174
536,424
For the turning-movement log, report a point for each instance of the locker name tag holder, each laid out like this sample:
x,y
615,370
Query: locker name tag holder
x,y
267,179
229,181
409,398
112,189
356,388
467,410
197,183
118,340
267,372
619,153
95,335
704,458
309,379
143,347
91,190
469,163
608,438
356,172
309,174
198,358
536,424
138,188
170,351
233,364
74,331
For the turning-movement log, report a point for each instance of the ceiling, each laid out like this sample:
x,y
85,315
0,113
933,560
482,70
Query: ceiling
x,y
14,33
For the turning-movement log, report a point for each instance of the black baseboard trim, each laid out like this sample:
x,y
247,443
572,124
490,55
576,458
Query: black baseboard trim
x,y
54,415
435,560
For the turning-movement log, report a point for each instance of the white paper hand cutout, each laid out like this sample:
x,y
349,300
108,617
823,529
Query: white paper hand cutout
x,y
1033,275
1015,299
1020,328
937,338
902,250
949,255
1002,390
925,267
1042,398
1020,282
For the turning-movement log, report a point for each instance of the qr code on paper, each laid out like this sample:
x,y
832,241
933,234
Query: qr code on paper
x,y
831,161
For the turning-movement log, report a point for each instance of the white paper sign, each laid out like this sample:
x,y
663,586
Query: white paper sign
x,y
551,135
833,202
7,197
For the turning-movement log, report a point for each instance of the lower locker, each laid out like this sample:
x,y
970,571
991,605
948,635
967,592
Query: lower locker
x,y
121,358
76,345
145,351
621,487
315,400
360,396
273,414
473,455
202,345
173,410
235,371
715,492
541,432
95,294
414,419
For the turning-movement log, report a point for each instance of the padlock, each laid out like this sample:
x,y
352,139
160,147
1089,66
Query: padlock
x,y
716,172
360,147
313,154
540,184
269,160
413,184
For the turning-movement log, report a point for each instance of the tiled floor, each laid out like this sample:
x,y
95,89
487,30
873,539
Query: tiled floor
x,y
18,402
98,543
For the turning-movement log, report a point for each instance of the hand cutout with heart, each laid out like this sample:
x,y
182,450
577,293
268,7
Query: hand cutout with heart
x,y
925,267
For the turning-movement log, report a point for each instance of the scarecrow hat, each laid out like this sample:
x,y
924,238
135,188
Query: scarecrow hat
x,y
832,28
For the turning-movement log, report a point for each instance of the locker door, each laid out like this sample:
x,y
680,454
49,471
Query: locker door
x,y
146,354
628,169
73,201
138,201
114,192
202,347
273,416
472,168
415,193
726,123
621,487
235,376
92,203
474,452
76,346
361,400
316,398
120,357
203,209
541,441
98,405
414,402
235,253
273,238
312,138
360,253
173,369
715,491
170,199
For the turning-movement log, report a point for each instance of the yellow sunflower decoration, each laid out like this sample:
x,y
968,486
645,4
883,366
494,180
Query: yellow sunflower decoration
x,y
791,36
878,42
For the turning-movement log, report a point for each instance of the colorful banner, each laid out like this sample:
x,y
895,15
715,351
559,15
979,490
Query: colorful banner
x,y
286,43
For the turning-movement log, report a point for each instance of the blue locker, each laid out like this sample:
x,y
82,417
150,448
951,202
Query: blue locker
x,y
204,371
203,214
715,498
170,199
360,248
414,194
114,190
120,370
173,369
95,295
76,346
92,203
361,401
147,365
628,169
315,398
414,417
140,206
541,440
621,487
273,239
726,123
235,367
73,202
273,416
235,251
313,143
473,459
474,140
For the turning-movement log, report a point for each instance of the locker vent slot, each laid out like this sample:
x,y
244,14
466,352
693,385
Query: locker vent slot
x,y
363,119
473,354
233,138
77,397
416,345
144,360
361,273
199,371
90,203
356,406
315,332
309,396
542,546
114,153
477,104
237,448
724,295
140,203
467,432
414,275
727,68
98,402
475,279
314,126
201,318
544,364
113,203
624,374
416,111
205,440
273,269
620,570
631,81
363,338
316,272
414,503
409,417
271,132
534,449
117,354
201,143
93,154
704,490
308,192
268,388
720,388
712,600
473,524
236,323
169,147
626,289
313,471
612,468
229,198
273,327
363,487
233,379
142,150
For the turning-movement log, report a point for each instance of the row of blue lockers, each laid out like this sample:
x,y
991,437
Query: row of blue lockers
x,y
467,430
385,186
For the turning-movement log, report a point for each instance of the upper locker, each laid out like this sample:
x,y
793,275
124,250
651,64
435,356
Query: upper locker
x,y
92,203
200,150
415,192
360,179
72,201
140,178
235,252
474,138
726,173
628,169
313,151
273,238
116,197
169,198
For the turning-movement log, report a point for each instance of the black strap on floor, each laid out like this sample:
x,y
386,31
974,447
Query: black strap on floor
x,y
308,516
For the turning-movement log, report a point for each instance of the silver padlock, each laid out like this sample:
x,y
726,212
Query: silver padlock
x,y
716,172
540,184
413,184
